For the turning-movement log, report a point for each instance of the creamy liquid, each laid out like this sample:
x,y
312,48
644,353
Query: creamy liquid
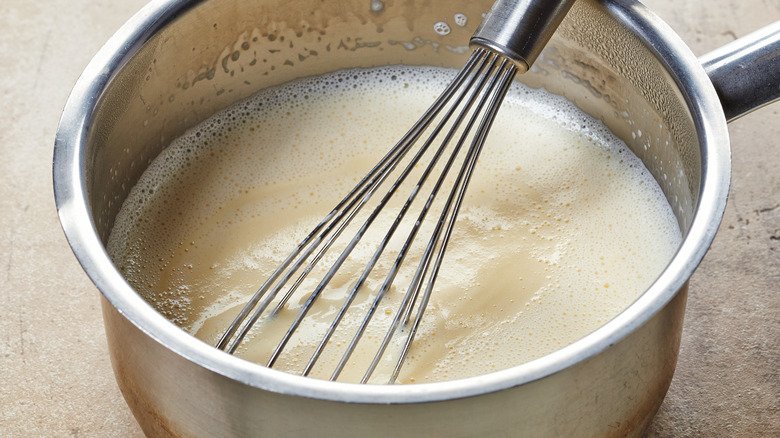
x,y
562,227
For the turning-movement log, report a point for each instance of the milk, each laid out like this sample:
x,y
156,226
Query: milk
x,y
561,229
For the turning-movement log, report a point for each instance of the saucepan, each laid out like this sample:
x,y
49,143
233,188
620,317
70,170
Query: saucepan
x,y
177,62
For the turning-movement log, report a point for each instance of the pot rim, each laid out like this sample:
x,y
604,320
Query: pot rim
x,y
72,205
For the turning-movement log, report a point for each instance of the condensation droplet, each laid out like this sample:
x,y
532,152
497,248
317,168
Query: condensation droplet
x,y
442,28
377,5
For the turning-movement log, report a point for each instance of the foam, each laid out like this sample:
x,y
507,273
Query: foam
x,y
562,229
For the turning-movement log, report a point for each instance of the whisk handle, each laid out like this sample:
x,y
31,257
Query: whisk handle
x,y
519,29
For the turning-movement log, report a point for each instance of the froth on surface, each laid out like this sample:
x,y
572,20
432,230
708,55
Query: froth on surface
x,y
562,229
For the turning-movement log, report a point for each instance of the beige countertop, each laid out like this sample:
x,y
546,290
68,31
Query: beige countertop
x,y
55,375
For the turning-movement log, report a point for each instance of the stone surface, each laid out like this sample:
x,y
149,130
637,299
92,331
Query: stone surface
x,y
55,376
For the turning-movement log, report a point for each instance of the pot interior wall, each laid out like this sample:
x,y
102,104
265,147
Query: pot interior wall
x,y
220,51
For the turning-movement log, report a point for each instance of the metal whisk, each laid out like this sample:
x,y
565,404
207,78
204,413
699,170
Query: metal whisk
x,y
509,39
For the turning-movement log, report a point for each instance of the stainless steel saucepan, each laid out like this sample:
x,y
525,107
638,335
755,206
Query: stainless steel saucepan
x,y
177,62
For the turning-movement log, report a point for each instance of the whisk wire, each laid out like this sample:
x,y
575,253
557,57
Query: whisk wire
x,y
481,68
493,90
484,80
498,90
380,208
413,291
341,214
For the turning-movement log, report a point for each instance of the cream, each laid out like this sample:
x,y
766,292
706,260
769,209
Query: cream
x,y
562,228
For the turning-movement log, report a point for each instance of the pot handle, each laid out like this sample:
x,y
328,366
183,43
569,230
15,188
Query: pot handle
x,y
746,72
